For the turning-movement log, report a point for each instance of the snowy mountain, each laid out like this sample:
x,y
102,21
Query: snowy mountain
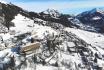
x,y
49,40
93,20
53,13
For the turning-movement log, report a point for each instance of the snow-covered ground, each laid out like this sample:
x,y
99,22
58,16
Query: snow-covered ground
x,y
71,60
90,37
22,23
94,39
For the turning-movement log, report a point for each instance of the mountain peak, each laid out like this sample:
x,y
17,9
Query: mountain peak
x,y
93,19
100,10
52,12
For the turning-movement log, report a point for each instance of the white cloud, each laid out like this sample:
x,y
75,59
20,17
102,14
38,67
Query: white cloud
x,y
3,1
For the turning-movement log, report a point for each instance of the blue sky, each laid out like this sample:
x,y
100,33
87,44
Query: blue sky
x,y
63,6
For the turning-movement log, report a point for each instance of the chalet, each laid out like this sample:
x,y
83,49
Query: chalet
x,y
30,48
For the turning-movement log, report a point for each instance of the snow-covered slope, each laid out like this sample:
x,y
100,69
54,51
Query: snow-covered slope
x,y
89,37
22,23
94,39
60,47
55,45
